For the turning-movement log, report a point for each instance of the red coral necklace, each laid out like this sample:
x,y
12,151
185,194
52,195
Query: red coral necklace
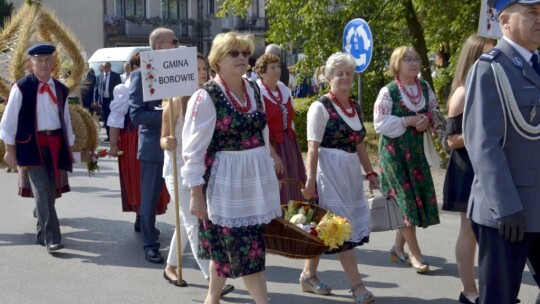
x,y
279,98
351,112
415,100
233,99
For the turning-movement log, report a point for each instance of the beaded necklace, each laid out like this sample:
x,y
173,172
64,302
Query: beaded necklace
x,y
233,99
415,100
279,98
335,100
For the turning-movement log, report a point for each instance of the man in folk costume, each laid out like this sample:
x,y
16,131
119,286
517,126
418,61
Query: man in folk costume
x,y
501,128
36,130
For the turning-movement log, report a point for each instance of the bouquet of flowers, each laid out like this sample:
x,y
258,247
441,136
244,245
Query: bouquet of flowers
x,y
333,230
92,165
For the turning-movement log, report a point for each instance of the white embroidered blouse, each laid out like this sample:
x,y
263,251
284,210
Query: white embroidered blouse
x,y
391,125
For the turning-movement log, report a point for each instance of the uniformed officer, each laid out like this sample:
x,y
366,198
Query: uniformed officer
x,y
502,136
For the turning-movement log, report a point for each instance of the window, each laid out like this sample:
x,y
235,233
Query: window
x,y
136,8
211,7
255,9
174,9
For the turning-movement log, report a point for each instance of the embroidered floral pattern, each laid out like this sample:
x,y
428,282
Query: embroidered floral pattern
x,y
338,134
247,240
237,251
405,172
235,130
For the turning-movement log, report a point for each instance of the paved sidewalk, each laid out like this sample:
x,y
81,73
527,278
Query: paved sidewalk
x,y
104,262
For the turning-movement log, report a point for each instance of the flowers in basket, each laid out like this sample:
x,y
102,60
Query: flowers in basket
x,y
92,164
333,230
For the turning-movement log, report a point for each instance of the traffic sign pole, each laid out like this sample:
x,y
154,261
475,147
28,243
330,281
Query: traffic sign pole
x,y
358,42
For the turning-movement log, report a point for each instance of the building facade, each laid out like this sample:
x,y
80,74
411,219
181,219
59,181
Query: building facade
x,y
110,23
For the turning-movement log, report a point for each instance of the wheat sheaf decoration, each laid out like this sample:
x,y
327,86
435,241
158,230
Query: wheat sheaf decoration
x,y
31,23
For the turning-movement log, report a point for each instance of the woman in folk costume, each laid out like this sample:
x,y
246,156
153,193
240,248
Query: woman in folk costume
x,y
402,113
231,169
280,113
336,157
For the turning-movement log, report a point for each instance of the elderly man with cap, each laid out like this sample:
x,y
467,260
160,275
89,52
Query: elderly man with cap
x,y
36,130
501,129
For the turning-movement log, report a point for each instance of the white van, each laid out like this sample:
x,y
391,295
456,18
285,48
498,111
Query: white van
x,y
117,56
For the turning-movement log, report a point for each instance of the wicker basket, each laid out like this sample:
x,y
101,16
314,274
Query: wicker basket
x,y
284,238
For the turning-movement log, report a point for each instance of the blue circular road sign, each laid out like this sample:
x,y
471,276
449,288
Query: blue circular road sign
x,y
358,41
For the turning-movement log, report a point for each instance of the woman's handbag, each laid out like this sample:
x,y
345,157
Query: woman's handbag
x,y
430,152
385,213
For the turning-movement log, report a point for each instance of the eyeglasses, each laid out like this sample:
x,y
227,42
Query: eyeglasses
x,y
175,41
235,53
105,66
412,59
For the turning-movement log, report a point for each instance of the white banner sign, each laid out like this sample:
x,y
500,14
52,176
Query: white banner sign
x,y
488,25
169,73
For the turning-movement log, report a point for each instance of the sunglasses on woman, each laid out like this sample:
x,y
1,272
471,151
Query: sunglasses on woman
x,y
235,53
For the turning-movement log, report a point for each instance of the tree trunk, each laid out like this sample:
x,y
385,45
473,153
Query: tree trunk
x,y
419,43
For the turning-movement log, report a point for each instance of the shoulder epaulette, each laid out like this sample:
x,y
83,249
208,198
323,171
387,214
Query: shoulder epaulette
x,y
490,55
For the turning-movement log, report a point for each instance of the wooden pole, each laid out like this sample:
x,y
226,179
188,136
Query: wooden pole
x,y
176,204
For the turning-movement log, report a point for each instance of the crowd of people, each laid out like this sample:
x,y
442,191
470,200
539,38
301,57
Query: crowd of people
x,y
234,139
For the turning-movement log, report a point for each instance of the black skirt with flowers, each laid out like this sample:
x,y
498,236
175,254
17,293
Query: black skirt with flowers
x,y
236,252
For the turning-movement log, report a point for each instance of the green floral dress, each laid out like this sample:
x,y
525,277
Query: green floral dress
x,y
405,171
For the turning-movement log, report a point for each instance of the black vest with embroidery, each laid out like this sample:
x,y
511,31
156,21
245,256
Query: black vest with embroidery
x,y
234,130
28,152
338,134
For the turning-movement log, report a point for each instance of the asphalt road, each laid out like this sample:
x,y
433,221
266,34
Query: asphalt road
x,y
103,261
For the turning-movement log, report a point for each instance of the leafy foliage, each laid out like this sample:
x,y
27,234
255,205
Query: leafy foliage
x,y
315,28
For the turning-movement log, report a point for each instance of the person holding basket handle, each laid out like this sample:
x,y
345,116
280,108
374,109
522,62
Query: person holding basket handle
x,y
231,168
336,154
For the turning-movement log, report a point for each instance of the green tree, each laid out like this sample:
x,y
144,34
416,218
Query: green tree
x,y
6,8
315,27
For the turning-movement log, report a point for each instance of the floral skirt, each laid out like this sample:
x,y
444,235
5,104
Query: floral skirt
x,y
236,252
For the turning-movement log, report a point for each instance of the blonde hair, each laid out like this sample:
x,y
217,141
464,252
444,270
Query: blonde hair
x,y
470,52
226,42
397,56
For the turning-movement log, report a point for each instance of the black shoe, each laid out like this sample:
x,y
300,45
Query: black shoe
x,y
226,290
54,247
174,282
137,225
463,299
40,242
153,256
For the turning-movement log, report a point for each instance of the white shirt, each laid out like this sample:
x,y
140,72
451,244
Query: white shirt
x,y
46,112
119,105
105,92
318,116
521,50
391,125
199,125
